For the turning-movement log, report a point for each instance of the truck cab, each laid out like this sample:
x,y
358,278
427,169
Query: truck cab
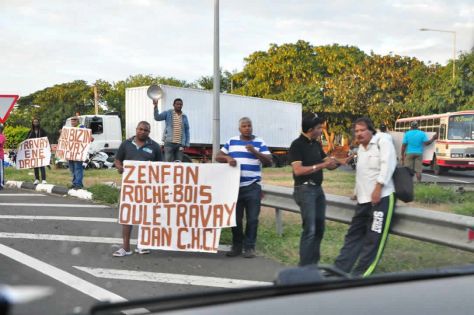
x,y
106,130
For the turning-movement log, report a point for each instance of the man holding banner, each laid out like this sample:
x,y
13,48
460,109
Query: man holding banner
x,y
249,152
37,132
75,167
138,148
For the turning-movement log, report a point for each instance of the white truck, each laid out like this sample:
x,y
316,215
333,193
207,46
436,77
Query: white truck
x,y
278,123
106,130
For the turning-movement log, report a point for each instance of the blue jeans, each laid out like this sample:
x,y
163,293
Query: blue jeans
x,y
248,201
173,152
312,203
77,172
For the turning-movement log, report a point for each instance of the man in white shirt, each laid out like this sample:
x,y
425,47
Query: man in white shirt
x,y
374,191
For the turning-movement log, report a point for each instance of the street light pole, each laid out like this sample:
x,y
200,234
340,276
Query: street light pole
x,y
217,86
454,44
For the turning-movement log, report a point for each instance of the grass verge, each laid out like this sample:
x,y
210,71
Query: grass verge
x,y
104,193
401,254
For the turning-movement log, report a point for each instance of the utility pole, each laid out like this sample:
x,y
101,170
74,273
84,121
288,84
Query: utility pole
x,y
96,100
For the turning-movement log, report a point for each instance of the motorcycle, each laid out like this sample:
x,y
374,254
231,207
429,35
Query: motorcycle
x,y
99,160
353,161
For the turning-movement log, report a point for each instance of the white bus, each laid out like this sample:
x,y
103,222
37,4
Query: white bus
x,y
454,148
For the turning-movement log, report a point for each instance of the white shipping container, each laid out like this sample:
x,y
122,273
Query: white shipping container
x,y
277,123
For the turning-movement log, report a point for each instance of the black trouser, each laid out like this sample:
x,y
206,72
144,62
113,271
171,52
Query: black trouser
x,y
43,173
248,202
366,238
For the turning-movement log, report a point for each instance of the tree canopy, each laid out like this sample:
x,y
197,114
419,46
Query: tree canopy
x,y
339,83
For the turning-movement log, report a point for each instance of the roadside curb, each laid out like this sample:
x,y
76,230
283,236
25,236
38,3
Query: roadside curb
x,y
51,189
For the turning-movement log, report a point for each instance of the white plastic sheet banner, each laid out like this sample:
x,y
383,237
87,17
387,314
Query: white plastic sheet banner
x,y
33,153
179,206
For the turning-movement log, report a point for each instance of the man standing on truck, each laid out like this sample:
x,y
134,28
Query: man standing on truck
x,y
413,144
249,152
138,148
176,134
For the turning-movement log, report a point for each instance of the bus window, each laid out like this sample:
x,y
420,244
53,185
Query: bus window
x,y
442,132
436,122
430,124
423,124
461,127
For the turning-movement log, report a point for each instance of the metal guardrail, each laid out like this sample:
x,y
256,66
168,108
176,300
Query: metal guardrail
x,y
426,225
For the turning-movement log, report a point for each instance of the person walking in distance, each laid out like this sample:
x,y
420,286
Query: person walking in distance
x,y
249,153
307,160
37,132
374,191
176,133
138,148
413,144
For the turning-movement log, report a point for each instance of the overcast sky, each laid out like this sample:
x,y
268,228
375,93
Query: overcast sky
x,y
47,42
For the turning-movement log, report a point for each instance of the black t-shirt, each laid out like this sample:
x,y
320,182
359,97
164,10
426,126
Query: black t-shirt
x,y
150,151
309,152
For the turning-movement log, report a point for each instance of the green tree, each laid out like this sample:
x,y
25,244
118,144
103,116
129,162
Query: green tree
x,y
15,135
379,88
207,82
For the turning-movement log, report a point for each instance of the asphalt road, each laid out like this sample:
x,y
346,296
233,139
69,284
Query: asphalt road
x,y
459,178
451,177
66,245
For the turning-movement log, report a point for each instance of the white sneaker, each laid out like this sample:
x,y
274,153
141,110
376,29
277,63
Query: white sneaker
x,y
36,182
43,182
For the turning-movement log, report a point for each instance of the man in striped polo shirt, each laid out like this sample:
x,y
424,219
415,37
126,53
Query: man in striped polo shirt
x,y
248,152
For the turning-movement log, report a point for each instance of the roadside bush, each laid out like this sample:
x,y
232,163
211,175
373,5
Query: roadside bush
x,y
105,193
15,135
434,194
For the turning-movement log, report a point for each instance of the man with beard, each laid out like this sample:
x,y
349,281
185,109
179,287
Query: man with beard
x,y
138,148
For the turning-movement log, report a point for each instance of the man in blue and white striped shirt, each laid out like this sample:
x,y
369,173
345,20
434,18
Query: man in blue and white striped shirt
x,y
249,153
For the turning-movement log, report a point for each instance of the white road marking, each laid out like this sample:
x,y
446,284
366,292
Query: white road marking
x,y
459,181
56,205
430,175
74,238
68,279
171,278
22,195
60,218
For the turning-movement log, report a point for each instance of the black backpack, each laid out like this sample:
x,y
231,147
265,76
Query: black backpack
x,y
403,182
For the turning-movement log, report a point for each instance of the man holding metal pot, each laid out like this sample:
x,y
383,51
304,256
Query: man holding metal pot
x,y
176,134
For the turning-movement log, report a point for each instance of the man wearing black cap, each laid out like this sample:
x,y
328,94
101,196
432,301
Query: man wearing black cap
x,y
412,148
308,160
